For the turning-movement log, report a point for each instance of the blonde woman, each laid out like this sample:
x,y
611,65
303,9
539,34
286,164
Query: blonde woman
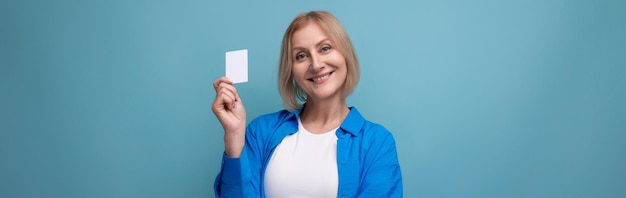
x,y
318,146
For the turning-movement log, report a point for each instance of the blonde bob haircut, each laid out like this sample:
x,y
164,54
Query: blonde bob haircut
x,y
292,95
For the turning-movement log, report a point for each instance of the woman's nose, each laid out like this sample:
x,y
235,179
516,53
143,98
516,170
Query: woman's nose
x,y
316,63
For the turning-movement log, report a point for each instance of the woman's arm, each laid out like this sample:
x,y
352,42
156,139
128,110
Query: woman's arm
x,y
229,110
239,162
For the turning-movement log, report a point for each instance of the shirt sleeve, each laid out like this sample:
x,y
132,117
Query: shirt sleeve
x,y
240,177
382,176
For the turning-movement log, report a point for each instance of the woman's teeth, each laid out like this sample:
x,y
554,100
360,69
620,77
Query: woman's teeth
x,y
320,78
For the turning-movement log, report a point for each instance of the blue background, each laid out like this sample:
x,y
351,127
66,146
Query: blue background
x,y
485,98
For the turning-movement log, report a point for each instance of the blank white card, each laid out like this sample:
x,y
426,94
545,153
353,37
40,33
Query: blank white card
x,y
237,65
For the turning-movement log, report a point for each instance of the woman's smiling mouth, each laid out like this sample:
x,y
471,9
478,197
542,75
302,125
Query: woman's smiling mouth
x,y
320,78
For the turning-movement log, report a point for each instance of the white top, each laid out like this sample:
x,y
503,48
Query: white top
x,y
303,165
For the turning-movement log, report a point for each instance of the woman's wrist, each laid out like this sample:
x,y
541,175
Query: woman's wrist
x,y
233,144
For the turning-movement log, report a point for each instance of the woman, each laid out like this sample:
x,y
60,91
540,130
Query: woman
x,y
321,148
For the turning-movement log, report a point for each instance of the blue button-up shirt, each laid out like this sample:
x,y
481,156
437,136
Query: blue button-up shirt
x,y
367,161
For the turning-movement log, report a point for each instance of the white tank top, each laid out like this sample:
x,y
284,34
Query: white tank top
x,y
303,165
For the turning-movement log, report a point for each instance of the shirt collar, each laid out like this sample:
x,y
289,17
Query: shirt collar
x,y
352,124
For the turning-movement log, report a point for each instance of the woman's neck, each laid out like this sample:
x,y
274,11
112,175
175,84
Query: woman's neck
x,y
320,117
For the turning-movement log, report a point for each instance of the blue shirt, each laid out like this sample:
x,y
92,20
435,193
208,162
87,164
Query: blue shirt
x,y
367,160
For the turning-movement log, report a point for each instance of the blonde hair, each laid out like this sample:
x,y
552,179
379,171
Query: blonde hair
x,y
290,93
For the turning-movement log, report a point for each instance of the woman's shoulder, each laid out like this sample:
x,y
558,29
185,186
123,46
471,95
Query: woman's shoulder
x,y
365,127
375,129
374,135
268,125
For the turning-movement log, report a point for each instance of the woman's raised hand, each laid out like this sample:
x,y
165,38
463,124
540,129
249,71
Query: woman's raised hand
x,y
229,110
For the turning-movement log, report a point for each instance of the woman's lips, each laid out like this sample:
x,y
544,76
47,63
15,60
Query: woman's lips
x,y
319,79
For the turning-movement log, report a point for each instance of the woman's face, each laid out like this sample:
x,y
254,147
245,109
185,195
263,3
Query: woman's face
x,y
319,68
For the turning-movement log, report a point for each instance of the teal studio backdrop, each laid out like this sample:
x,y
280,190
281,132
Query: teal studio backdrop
x,y
486,99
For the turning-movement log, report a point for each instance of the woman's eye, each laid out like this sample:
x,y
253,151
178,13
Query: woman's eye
x,y
326,48
300,56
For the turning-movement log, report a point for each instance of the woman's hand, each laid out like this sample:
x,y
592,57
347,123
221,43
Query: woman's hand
x,y
229,110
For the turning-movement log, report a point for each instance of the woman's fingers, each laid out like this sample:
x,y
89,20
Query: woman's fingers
x,y
226,94
227,99
228,88
229,93
224,83
219,81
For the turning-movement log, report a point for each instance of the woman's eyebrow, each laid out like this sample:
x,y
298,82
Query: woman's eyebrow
x,y
297,48
322,42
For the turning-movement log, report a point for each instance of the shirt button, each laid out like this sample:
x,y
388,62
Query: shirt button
x,y
343,162
344,193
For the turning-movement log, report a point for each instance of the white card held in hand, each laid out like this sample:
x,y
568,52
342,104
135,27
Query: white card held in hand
x,y
237,66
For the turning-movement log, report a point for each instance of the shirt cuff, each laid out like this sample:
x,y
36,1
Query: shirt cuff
x,y
234,170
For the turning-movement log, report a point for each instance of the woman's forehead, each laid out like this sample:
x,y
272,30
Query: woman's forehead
x,y
309,35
